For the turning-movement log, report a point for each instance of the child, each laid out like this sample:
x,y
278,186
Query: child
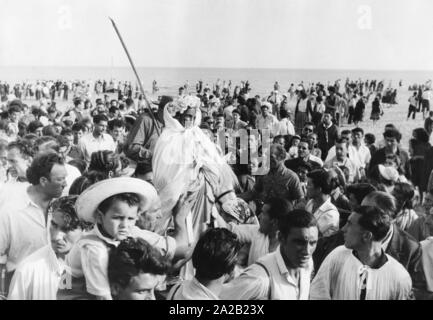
x,y
293,151
113,205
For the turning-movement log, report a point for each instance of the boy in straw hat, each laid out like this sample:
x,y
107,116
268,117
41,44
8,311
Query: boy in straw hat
x,y
114,205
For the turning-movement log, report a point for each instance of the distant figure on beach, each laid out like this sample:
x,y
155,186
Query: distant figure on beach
x,y
376,110
155,88
412,106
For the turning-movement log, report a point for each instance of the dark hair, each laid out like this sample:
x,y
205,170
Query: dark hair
x,y
81,165
116,123
132,257
360,191
374,220
100,117
392,133
78,127
67,206
283,113
421,135
384,201
104,161
340,140
370,138
406,192
14,108
215,254
297,218
345,132
41,166
34,125
358,129
131,199
50,130
67,132
281,152
23,146
278,207
321,179
86,180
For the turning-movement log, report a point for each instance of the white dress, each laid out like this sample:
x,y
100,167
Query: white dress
x,y
339,278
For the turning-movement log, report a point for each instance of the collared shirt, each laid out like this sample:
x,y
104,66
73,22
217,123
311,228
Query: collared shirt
x,y
89,257
37,276
327,216
270,122
347,163
286,127
191,290
89,144
361,157
255,284
23,230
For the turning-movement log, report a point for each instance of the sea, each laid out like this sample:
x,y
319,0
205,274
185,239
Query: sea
x,y
170,79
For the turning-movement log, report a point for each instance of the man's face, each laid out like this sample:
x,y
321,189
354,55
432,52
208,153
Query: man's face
x,y
303,150
188,122
141,287
353,232
327,118
266,223
38,131
302,174
391,143
100,127
236,116
4,158
117,133
357,138
281,141
14,116
265,111
275,159
307,129
79,134
62,239
340,151
119,219
347,137
149,220
220,120
312,191
299,245
70,138
312,139
17,163
53,187
113,104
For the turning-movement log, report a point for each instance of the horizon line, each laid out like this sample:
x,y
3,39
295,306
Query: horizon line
x,y
229,68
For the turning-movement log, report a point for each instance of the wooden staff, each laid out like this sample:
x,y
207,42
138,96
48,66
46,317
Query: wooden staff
x,y
137,76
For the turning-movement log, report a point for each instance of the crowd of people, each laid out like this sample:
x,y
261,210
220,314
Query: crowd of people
x,y
314,210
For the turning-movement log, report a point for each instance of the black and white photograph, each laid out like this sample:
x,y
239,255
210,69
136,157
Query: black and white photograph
x,y
236,150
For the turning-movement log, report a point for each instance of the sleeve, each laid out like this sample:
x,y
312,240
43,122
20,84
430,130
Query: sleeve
x,y
166,244
321,286
135,143
405,291
252,284
18,287
329,223
245,232
82,149
94,261
294,189
4,234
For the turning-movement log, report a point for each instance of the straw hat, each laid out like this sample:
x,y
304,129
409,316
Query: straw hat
x,y
91,198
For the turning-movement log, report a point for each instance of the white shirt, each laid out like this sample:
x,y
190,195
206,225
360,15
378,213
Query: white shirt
x,y
37,276
339,278
255,284
89,144
72,173
361,157
349,164
427,261
89,257
327,216
286,127
23,230
270,122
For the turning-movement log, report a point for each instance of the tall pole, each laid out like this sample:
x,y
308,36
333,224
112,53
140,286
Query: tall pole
x,y
137,76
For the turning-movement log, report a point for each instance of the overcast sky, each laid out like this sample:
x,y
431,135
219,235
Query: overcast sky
x,y
326,34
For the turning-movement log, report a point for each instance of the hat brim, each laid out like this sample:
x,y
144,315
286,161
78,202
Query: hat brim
x,y
91,198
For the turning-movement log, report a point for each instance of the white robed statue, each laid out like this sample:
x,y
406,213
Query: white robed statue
x,y
186,160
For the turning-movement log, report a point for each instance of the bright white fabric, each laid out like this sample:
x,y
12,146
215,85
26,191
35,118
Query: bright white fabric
x,y
37,276
72,173
286,127
427,261
178,157
339,278
360,157
89,144
327,216
254,283
23,230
